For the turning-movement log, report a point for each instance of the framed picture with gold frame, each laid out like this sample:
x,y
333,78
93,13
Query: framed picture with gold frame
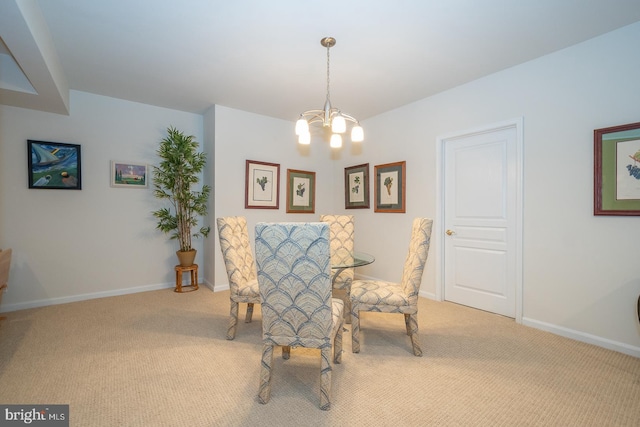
x,y
390,188
301,191
616,185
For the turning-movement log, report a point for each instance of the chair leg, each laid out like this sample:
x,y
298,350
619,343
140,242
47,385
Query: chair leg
x,y
406,324
325,378
247,318
345,296
355,329
264,393
347,307
286,352
233,321
413,325
337,345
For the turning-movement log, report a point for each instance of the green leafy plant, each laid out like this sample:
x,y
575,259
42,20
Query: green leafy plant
x,y
179,169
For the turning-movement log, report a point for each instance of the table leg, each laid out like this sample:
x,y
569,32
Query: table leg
x,y
347,303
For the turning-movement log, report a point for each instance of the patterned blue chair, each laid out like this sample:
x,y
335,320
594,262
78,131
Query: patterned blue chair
x,y
294,269
240,266
388,297
341,238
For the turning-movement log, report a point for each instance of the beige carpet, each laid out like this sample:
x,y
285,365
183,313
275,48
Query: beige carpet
x,y
160,359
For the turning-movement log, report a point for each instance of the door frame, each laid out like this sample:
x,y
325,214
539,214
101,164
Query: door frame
x,y
518,124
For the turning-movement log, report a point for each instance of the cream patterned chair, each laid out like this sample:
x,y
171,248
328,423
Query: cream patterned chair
x,y
388,297
341,236
240,266
293,262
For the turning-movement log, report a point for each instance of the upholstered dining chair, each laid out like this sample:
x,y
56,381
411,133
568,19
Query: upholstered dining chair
x,y
240,266
341,238
298,310
5,265
389,297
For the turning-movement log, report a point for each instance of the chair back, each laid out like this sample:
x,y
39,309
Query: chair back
x,y
416,258
5,264
293,261
341,238
236,251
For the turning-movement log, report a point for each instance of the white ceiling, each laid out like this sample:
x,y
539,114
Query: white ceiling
x,y
265,56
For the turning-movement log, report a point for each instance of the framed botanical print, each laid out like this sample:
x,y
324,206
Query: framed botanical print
x,y
390,189
616,186
54,165
262,185
356,187
301,191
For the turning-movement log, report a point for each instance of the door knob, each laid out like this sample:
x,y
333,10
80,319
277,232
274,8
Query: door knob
x,y
450,232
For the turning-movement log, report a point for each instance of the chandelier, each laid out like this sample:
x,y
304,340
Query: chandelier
x,y
329,116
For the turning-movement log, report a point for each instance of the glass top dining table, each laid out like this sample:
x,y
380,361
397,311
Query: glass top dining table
x,y
356,259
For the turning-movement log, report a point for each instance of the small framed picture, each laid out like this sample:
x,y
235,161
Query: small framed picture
x,y
301,191
390,189
616,187
262,185
129,174
54,165
356,187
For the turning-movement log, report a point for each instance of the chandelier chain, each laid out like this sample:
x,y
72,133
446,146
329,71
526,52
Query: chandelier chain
x,y
328,85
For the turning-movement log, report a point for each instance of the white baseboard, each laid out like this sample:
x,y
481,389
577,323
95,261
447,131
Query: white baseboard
x,y
216,288
427,295
583,337
83,297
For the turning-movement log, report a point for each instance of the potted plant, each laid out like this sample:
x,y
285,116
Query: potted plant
x,y
179,169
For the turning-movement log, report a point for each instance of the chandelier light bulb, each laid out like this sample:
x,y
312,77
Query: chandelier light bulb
x,y
336,141
302,126
357,134
338,124
304,138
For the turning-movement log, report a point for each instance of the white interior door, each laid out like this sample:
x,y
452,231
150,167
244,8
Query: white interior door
x,y
481,211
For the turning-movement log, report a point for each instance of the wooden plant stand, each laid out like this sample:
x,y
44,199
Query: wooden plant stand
x,y
193,269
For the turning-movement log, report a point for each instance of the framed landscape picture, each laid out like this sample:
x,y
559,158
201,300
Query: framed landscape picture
x,y
54,165
262,185
616,186
301,191
129,174
356,187
390,189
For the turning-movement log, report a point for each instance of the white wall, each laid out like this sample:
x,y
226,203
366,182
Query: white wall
x,y
581,272
242,136
98,241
